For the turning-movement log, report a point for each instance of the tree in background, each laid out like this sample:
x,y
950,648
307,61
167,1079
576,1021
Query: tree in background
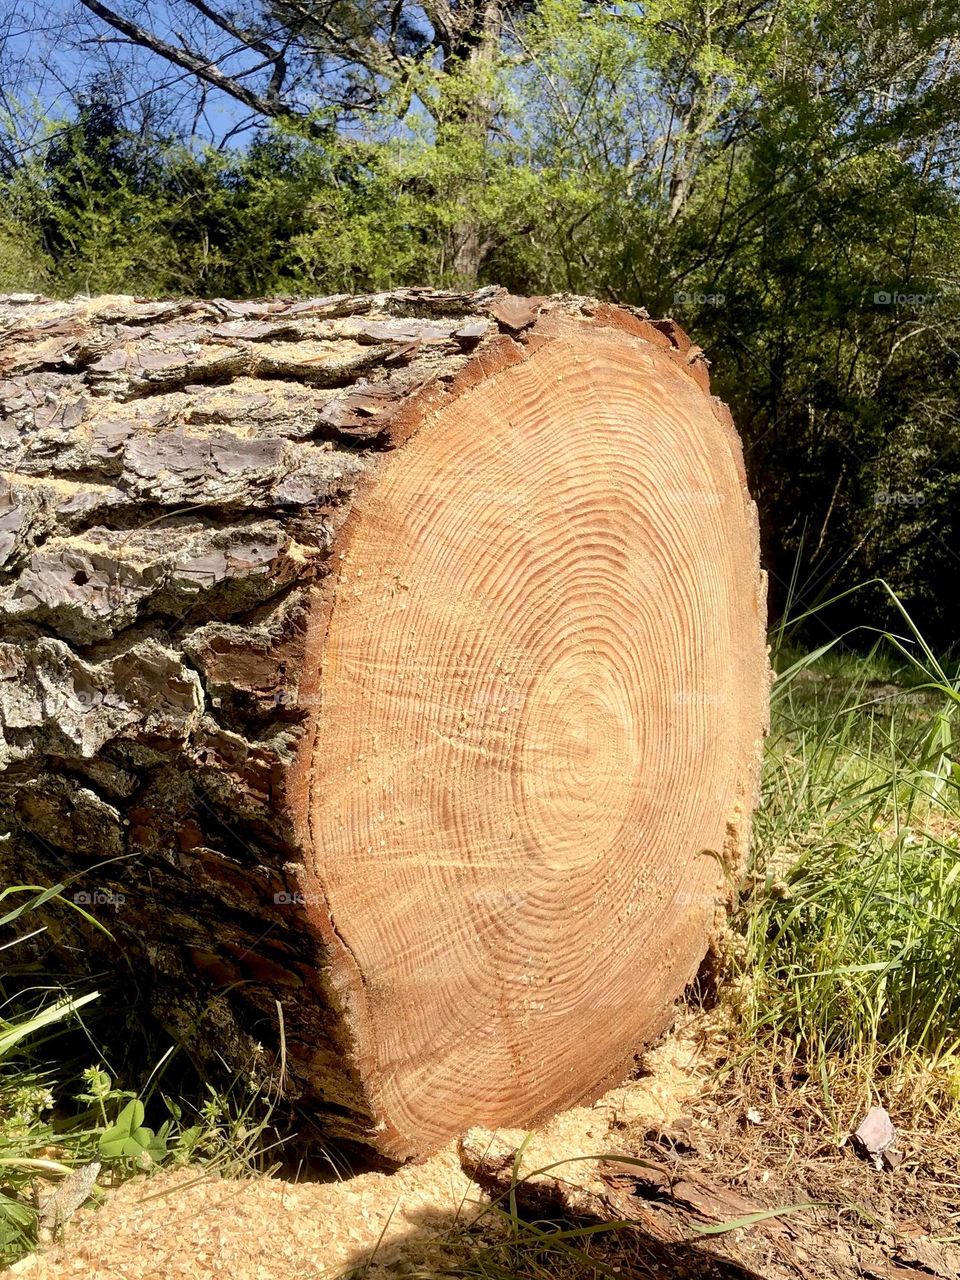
x,y
779,174
307,63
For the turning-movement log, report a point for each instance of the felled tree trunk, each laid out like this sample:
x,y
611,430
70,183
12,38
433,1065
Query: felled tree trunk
x,y
389,674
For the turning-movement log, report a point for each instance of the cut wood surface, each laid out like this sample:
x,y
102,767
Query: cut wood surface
x,y
390,674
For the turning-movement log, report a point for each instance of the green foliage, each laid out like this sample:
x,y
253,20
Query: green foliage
x,y
764,174
54,1120
128,1138
22,264
26,1099
853,957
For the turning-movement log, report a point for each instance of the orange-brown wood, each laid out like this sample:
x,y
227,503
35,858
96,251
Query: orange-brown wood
x,y
409,673
544,688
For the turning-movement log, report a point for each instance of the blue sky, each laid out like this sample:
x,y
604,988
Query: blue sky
x,y
54,47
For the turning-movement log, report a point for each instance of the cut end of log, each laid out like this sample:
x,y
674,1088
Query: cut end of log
x,y
479,624
535,749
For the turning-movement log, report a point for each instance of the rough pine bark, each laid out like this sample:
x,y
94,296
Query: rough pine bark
x,y
388,673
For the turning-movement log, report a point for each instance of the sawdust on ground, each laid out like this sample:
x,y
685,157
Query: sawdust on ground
x,y
187,1226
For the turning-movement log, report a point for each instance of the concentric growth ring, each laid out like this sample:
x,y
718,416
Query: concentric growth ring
x,y
542,694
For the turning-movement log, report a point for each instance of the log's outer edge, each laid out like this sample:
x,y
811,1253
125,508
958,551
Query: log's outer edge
x,y
61,343
679,356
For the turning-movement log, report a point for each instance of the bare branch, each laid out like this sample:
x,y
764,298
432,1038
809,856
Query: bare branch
x,y
269,104
253,39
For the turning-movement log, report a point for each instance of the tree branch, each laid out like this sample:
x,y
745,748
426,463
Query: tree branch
x,y
268,105
252,38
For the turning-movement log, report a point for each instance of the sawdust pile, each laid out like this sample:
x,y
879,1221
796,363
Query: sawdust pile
x,y
185,1226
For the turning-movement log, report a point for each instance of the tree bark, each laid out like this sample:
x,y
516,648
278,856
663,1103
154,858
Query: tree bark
x,y
389,673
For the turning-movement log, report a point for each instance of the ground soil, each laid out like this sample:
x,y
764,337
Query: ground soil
x,y
758,1136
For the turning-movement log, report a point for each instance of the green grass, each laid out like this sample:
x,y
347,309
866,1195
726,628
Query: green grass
x,y
852,910
59,1112
27,1134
